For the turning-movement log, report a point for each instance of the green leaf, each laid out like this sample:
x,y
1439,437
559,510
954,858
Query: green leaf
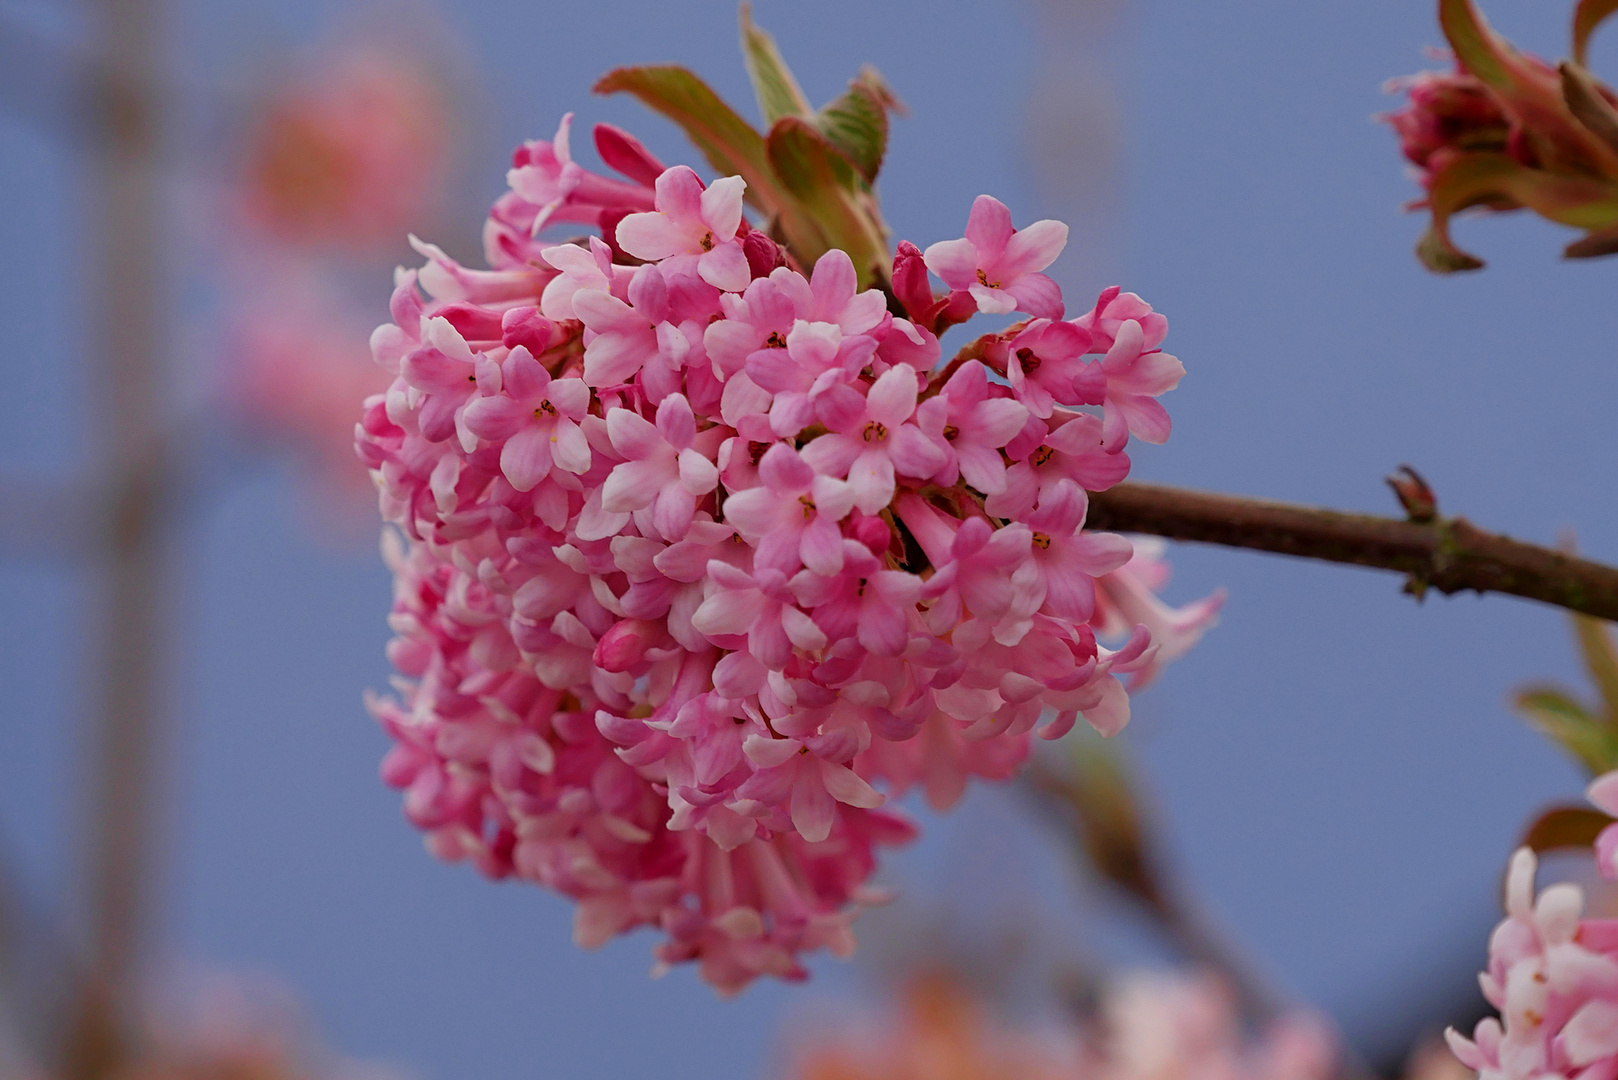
x,y
1601,661
833,216
1559,717
731,145
778,92
1588,15
1504,183
1565,827
856,123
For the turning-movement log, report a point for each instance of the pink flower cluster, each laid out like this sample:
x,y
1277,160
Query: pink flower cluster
x,y
1553,974
701,562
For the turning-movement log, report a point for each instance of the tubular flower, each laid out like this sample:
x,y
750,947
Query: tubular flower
x,y
1554,977
693,568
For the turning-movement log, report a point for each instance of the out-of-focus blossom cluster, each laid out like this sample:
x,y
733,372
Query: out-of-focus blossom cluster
x,y
1505,130
1552,974
351,154
1150,1027
700,560
347,152
231,1028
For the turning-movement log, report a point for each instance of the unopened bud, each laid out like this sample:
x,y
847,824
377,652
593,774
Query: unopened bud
x,y
1418,500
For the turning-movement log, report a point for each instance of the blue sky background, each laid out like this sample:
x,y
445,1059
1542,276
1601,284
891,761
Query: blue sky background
x,y
1336,770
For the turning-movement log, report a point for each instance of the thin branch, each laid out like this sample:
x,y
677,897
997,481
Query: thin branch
x,y
1447,554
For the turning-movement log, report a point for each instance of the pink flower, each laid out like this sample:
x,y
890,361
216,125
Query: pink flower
x,y
662,468
871,439
1554,977
545,175
760,607
581,268
536,417
794,773
1136,376
1044,365
1127,598
1603,791
863,601
695,223
623,337
1071,450
999,265
792,515
971,427
816,358
1068,559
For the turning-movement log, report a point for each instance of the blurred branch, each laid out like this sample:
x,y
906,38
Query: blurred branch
x,y
122,92
1447,554
1099,808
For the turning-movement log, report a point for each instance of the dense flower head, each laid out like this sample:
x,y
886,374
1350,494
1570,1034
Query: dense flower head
x,y
1553,975
700,560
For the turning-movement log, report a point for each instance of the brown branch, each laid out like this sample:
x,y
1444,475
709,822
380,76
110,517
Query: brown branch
x,y
126,192
1447,554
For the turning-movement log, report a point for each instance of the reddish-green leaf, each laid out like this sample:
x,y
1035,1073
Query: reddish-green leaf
x,y
1528,88
1556,715
1588,15
778,92
1593,245
1503,182
731,145
1601,661
1563,827
1588,105
856,123
820,180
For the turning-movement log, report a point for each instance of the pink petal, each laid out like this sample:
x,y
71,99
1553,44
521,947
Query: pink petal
x,y
698,475
1603,791
675,421
679,194
992,301
633,436
1033,248
913,453
892,398
834,283
526,458
954,261
494,417
721,210
672,511
1146,417
725,267
871,477
1036,294
652,236
784,470
989,227
813,808
569,448
820,546
845,785
633,485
